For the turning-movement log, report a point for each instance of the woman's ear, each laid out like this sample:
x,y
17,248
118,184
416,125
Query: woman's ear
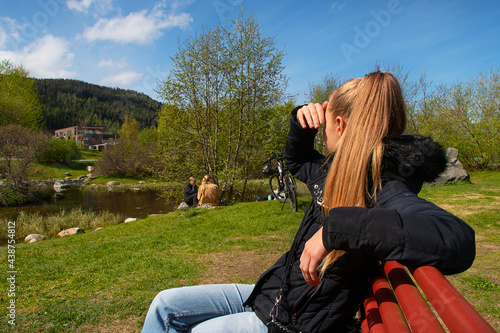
x,y
340,125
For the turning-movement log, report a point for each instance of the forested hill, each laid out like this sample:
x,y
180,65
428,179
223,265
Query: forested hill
x,y
68,103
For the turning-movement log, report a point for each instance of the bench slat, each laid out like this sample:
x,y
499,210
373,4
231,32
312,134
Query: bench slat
x,y
372,322
457,314
419,316
390,312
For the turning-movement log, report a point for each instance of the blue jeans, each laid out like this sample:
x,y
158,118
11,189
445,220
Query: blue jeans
x,y
208,308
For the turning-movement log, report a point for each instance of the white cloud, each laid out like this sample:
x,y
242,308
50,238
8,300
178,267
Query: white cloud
x,y
99,7
141,27
122,63
123,78
9,31
47,57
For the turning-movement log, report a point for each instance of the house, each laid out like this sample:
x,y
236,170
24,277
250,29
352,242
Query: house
x,y
86,136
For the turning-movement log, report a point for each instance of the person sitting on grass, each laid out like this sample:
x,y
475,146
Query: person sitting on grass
x,y
208,193
191,193
365,209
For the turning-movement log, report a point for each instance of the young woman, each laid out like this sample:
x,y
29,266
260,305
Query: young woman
x,y
208,193
364,209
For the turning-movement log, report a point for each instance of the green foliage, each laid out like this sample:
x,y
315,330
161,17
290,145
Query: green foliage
x,y
23,193
19,147
464,115
60,151
50,226
132,156
19,102
68,103
220,93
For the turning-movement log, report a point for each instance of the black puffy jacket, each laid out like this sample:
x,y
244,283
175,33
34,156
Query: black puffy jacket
x,y
398,226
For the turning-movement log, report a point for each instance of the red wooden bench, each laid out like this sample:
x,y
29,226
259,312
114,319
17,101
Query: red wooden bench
x,y
397,305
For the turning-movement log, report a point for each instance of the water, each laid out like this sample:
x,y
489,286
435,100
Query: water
x,y
128,204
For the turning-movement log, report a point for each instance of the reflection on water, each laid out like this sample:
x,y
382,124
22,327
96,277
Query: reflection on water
x,y
128,204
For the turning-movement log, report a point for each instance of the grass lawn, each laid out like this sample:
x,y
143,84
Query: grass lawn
x,y
104,281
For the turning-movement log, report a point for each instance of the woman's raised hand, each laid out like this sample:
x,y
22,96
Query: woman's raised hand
x,y
312,115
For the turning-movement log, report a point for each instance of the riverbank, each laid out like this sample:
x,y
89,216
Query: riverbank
x,y
104,281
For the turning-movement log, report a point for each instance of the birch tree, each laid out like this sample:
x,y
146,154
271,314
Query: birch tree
x,y
221,83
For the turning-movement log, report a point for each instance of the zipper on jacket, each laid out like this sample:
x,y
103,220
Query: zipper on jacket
x,y
298,307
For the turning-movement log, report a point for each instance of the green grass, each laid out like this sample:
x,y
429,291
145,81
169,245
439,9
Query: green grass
x,y
104,281
87,279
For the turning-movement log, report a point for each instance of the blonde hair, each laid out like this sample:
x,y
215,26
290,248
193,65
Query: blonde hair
x,y
373,108
206,179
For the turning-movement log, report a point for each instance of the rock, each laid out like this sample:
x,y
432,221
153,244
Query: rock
x,y
33,240
31,237
68,174
59,185
183,206
112,183
67,179
59,196
97,229
130,219
90,168
142,182
454,172
70,232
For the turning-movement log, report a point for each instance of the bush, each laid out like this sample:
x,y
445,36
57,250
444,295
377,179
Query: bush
x,y
60,151
24,193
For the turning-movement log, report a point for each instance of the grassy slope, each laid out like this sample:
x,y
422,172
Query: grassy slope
x,y
104,281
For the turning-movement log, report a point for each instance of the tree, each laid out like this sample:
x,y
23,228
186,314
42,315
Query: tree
x,y
216,94
19,147
132,155
319,93
19,102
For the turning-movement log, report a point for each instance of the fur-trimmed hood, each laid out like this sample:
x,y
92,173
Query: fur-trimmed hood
x,y
414,158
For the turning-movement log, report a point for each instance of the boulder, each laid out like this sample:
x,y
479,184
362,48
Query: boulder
x,y
454,172
112,183
183,206
60,185
130,219
70,232
35,237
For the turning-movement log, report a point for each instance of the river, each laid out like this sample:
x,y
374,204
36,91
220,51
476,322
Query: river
x,y
128,204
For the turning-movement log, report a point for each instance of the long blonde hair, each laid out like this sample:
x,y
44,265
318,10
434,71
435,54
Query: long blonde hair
x,y
373,108
206,180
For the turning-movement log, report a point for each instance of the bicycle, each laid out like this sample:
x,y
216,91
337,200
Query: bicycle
x,y
281,181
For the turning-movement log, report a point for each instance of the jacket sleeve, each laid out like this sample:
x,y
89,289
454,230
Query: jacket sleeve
x,y
413,232
300,156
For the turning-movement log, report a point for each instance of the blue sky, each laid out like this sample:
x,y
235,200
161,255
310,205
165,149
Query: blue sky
x,y
128,44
